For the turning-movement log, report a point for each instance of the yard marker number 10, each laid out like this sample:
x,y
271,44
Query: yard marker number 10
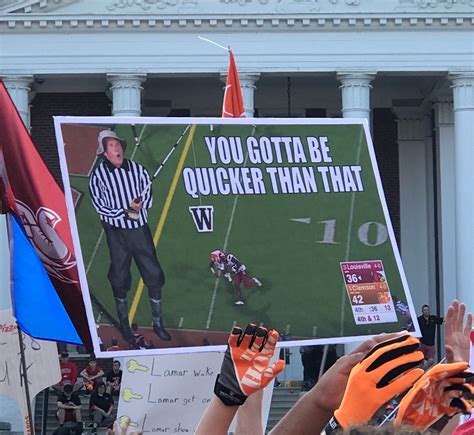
x,y
380,230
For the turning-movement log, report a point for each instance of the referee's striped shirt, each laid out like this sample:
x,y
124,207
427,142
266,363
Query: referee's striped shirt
x,y
113,190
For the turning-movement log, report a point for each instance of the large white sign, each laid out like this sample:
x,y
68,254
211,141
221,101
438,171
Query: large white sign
x,y
42,365
227,196
169,393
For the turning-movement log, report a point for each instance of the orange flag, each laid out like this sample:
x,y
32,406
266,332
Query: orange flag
x,y
233,106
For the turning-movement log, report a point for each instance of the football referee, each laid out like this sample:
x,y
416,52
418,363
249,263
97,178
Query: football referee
x,y
121,194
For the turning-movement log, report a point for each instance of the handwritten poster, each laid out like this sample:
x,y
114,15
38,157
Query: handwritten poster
x,y
42,365
169,393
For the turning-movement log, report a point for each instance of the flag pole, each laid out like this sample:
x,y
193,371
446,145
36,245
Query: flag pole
x,y
24,375
214,43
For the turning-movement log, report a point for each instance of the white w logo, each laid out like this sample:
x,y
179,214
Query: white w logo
x,y
203,217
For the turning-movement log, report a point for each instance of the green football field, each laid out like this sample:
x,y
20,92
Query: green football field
x,y
292,242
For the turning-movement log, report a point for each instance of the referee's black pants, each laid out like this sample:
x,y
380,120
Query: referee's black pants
x,y
137,243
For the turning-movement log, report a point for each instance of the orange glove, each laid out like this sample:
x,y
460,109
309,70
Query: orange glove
x,y
386,371
438,393
246,368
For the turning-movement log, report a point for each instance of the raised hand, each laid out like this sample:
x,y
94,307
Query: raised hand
x,y
386,371
246,368
457,341
439,392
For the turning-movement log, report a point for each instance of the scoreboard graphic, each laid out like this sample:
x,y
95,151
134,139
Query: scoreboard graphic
x,y
368,292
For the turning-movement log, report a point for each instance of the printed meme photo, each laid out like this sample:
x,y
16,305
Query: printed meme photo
x,y
184,227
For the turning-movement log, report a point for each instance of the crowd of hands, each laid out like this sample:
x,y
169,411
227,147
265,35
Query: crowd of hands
x,y
351,392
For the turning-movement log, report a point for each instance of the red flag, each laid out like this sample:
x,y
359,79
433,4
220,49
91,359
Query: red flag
x,y
41,205
7,200
233,106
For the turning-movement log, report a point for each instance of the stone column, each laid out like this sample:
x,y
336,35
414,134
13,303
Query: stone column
x,y
126,93
355,90
19,88
415,189
463,106
247,85
444,125
356,94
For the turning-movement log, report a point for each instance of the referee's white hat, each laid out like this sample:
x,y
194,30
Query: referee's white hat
x,y
105,134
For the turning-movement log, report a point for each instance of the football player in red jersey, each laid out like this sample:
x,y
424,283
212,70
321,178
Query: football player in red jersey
x,y
227,265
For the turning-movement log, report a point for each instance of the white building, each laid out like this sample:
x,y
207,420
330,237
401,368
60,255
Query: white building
x,y
407,65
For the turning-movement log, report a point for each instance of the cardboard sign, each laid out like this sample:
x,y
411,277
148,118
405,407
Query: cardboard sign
x,y
169,393
41,361
199,224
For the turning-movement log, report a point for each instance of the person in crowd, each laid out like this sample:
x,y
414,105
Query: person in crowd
x,y
428,323
69,411
377,371
465,428
388,413
438,395
91,374
312,412
114,345
101,405
69,429
68,374
139,341
349,394
311,357
246,370
114,378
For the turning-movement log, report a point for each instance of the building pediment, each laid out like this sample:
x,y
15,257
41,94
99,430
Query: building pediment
x,y
232,7
231,15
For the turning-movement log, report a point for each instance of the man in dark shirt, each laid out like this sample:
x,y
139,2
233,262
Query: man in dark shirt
x,y
428,324
100,406
114,378
69,407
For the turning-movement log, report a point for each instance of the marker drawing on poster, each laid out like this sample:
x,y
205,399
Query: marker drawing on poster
x,y
186,226
169,393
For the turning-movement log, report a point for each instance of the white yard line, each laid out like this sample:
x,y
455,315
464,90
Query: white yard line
x,y
348,241
140,137
226,240
94,252
195,165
